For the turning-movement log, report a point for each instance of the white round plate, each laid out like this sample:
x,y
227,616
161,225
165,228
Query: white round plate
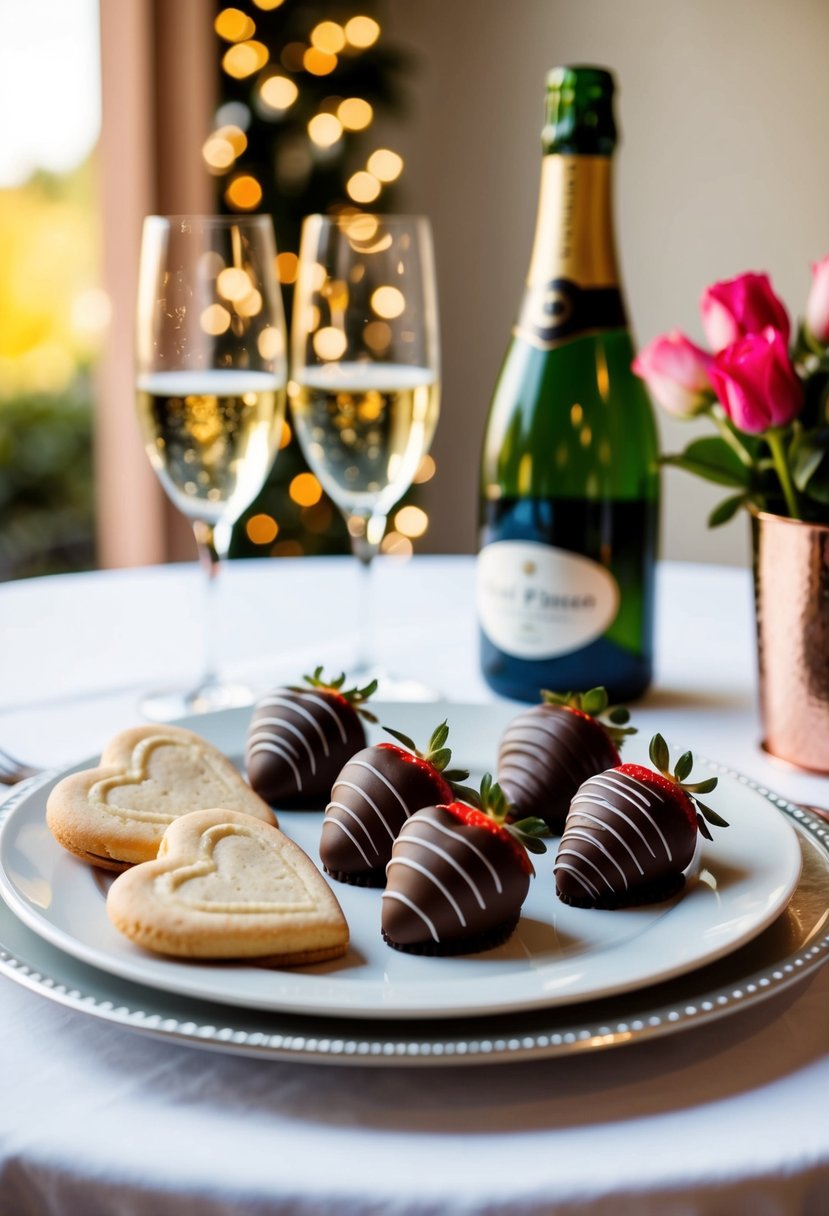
x,y
557,956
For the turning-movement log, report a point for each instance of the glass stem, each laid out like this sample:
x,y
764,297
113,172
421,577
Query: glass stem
x,y
213,541
366,533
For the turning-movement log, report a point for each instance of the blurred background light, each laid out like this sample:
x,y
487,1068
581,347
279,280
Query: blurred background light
x,y
262,529
387,302
244,193
329,343
355,113
319,63
362,32
245,58
286,267
328,36
305,489
363,187
385,165
278,92
325,130
233,25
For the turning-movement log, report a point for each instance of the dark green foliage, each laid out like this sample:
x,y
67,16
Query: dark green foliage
x,y
46,489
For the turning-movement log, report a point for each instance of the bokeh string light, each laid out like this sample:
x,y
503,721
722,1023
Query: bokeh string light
x,y
302,85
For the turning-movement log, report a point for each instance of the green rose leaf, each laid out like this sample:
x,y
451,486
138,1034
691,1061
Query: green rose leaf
x,y
809,457
712,459
726,510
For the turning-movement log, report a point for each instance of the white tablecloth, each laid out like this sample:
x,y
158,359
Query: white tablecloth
x,y
728,1118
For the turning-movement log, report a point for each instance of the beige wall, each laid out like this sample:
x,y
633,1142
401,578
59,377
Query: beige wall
x,y
724,166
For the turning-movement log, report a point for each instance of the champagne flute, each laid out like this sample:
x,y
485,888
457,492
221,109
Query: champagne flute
x,y
210,389
364,388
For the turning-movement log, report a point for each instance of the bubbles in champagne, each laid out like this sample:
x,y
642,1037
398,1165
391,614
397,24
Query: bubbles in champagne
x,y
211,436
364,428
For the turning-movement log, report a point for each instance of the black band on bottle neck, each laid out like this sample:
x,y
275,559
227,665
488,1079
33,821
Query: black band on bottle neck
x,y
559,310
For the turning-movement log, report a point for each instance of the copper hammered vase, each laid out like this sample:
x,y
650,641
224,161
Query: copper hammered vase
x,y
791,589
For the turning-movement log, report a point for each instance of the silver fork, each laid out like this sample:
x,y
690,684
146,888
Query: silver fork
x,y
12,771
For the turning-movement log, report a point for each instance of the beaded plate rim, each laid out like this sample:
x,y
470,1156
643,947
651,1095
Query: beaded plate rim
x,y
503,1039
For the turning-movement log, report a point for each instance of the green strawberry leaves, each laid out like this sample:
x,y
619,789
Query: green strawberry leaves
x,y
401,738
661,759
596,704
438,755
659,754
493,803
356,697
527,832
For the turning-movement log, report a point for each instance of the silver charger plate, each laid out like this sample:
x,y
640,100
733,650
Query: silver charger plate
x,y
794,946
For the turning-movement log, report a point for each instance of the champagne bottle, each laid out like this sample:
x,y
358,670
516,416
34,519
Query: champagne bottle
x,y
570,480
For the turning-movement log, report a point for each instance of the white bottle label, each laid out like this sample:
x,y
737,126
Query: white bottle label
x,y
538,602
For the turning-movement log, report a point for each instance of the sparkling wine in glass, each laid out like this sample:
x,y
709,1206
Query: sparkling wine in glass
x,y
210,391
365,378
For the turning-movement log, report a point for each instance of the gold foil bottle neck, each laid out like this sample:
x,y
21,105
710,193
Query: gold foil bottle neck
x,y
574,234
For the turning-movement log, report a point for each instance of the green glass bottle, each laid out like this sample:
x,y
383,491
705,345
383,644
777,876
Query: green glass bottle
x,y
570,480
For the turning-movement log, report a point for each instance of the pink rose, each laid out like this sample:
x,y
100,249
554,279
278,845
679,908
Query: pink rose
x,y
745,305
817,306
756,383
676,372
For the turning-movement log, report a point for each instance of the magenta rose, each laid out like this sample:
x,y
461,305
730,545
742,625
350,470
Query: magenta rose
x,y
676,372
756,383
736,307
817,306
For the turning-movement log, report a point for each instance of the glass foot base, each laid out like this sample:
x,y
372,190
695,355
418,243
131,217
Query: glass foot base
x,y
165,705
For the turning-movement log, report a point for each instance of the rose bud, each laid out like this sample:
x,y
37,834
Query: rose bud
x,y
745,305
817,306
756,383
676,372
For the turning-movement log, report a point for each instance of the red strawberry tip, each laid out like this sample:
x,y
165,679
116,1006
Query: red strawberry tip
x,y
475,817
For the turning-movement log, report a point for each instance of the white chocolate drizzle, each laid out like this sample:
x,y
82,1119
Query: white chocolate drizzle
x,y
262,737
283,749
365,764
603,826
352,814
330,822
351,785
444,890
435,848
462,839
404,899
550,729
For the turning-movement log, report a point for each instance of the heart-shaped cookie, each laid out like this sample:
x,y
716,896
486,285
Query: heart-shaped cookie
x,y
225,886
115,815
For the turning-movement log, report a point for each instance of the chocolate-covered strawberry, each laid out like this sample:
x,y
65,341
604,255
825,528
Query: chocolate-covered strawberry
x,y
374,795
631,833
458,876
299,739
547,752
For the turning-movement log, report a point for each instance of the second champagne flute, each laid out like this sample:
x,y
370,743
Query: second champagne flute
x,y
365,376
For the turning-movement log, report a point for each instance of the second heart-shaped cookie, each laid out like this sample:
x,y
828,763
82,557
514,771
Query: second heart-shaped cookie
x,y
116,814
225,886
